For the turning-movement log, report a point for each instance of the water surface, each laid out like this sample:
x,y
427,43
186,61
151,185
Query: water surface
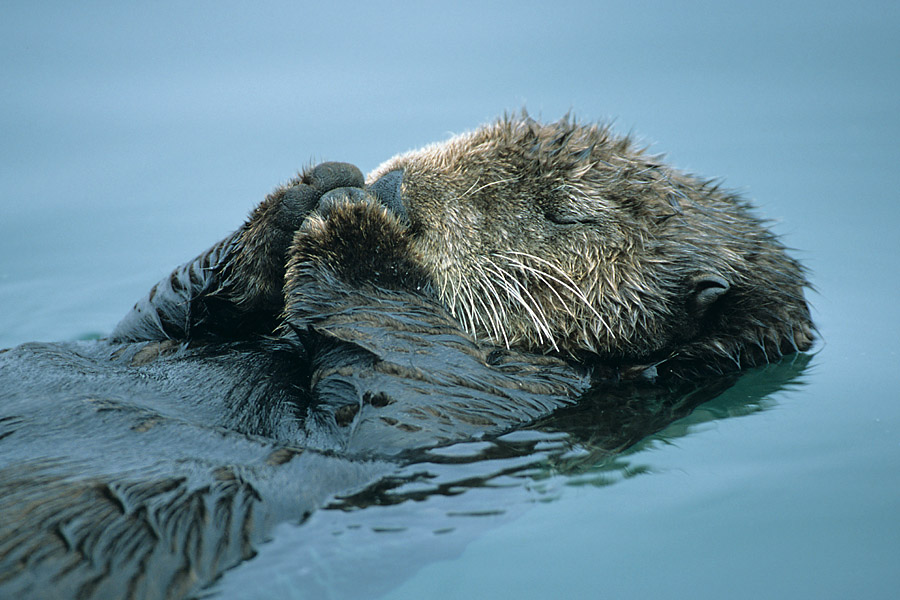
x,y
132,138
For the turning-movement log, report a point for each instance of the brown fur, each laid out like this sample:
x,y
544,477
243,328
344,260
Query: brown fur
x,y
254,276
567,239
558,238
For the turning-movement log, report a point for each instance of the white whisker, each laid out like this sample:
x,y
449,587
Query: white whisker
x,y
544,278
571,285
491,293
487,185
533,308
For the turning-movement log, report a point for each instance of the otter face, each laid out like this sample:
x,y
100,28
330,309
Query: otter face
x,y
565,239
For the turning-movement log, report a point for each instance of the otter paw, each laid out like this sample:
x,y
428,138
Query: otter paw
x,y
286,208
357,241
255,273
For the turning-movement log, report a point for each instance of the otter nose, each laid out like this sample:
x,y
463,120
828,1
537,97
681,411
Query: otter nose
x,y
387,189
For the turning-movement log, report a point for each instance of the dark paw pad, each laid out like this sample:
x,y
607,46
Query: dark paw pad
x,y
332,175
295,203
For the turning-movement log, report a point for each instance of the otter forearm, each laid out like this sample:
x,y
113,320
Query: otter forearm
x,y
234,289
231,291
173,308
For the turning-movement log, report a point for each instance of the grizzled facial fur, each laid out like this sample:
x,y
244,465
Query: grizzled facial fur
x,y
566,239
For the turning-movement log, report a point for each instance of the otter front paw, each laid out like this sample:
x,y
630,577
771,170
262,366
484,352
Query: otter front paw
x,y
352,252
355,240
253,274
234,289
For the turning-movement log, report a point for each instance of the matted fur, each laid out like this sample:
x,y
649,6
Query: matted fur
x,y
567,238
558,238
343,332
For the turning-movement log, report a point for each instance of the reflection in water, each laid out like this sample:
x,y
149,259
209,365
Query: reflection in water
x,y
429,509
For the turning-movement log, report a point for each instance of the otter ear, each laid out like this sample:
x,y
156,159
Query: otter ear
x,y
707,288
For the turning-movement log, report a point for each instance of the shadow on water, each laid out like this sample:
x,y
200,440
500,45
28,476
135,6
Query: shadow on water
x,y
433,506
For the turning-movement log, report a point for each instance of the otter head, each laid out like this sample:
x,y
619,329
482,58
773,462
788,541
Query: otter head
x,y
566,239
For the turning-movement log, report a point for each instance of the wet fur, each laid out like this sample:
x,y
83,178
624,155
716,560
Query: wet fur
x,y
524,272
566,238
559,238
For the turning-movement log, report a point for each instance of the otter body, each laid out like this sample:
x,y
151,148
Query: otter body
x,y
459,292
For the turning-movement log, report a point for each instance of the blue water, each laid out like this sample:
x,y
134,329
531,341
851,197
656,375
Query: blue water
x,y
131,138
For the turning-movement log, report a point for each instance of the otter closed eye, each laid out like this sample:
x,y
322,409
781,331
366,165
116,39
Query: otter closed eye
x,y
563,219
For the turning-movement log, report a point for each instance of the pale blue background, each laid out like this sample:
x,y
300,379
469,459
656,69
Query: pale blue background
x,y
133,136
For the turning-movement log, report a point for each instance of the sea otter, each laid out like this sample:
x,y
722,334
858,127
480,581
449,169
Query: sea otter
x,y
556,239
492,282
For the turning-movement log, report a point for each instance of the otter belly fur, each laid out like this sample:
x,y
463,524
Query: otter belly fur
x,y
460,291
